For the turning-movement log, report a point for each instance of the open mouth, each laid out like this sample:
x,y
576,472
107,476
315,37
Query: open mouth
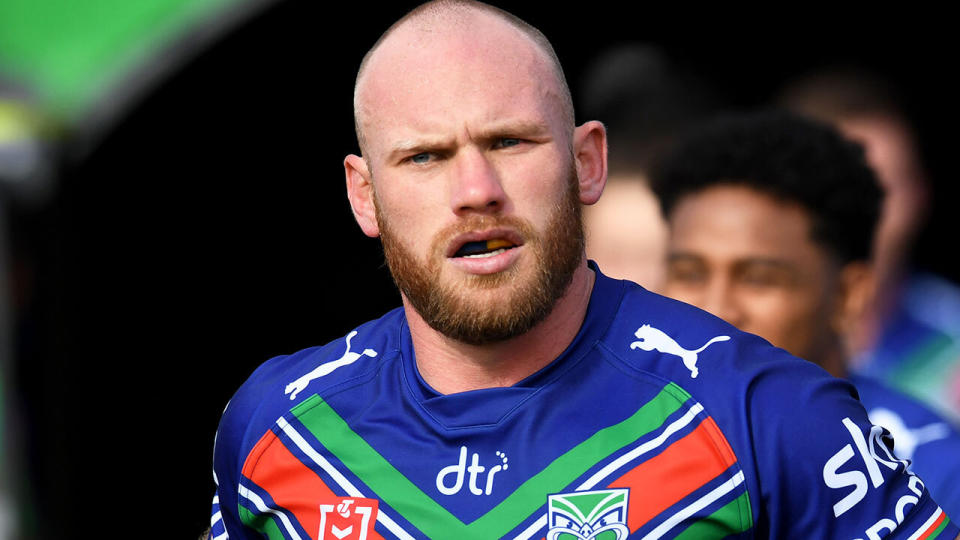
x,y
484,248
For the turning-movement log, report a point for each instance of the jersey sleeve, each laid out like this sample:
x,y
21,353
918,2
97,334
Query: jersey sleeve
x,y
218,530
233,442
225,520
825,471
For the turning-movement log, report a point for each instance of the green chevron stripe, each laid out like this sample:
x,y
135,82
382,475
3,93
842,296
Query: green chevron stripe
x,y
433,519
263,523
734,517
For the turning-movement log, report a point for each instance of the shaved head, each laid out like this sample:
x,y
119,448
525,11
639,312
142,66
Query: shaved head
x,y
441,20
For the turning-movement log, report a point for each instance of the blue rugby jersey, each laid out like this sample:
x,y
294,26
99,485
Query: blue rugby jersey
x,y
658,421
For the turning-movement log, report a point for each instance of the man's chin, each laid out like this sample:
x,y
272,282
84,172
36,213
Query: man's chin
x,y
485,292
484,309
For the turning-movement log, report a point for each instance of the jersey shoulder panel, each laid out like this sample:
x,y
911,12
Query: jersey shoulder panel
x,y
317,369
682,342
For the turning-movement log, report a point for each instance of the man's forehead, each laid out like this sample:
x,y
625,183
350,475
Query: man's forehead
x,y
419,48
423,55
740,223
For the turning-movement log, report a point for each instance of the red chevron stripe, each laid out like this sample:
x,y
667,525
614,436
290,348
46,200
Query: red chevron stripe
x,y
290,483
678,471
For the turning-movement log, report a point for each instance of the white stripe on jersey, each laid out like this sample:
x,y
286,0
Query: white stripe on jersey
x,y
217,517
532,529
927,524
695,507
262,506
338,477
642,449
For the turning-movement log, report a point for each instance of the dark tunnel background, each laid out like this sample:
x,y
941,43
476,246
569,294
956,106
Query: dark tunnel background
x,y
210,231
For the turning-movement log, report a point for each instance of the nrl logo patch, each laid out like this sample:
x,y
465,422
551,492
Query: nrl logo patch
x,y
346,518
588,515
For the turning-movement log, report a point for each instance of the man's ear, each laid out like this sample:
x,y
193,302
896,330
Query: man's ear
x,y
590,155
855,298
360,194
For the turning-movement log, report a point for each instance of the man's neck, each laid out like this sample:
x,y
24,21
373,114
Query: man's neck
x,y
450,366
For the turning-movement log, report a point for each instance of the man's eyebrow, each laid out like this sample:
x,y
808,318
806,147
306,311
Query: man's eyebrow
x,y
519,128
683,256
422,144
741,264
767,261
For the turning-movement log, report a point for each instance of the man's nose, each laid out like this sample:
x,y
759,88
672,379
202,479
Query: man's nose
x,y
476,184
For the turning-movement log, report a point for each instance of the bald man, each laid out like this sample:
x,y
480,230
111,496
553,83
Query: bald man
x,y
519,393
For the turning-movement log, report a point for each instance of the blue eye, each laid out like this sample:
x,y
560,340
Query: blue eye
x,y
421,158
505,143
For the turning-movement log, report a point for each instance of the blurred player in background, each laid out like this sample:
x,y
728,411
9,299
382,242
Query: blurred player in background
x,y
646,100
771,219
911,336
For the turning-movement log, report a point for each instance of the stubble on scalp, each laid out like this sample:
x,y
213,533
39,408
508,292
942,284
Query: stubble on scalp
x,y
453,309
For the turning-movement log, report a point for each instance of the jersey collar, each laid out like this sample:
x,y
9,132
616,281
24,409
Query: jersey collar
x,y
490,406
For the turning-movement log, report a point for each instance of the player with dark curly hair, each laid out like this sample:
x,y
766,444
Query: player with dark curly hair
x,y
771,221
787,158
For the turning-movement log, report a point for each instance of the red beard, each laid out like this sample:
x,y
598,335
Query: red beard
x,y
457,310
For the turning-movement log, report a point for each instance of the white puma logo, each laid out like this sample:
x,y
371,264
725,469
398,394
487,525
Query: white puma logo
x,y
652,338
907,439
348,358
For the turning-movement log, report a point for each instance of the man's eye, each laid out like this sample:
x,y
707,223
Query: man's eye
x,y
765,278
686,277
421,158
686,273
507,142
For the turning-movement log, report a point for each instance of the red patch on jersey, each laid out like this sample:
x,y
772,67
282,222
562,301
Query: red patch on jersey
x,y
348,518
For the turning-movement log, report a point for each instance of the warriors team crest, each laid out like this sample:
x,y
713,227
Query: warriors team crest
x,y
588,515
